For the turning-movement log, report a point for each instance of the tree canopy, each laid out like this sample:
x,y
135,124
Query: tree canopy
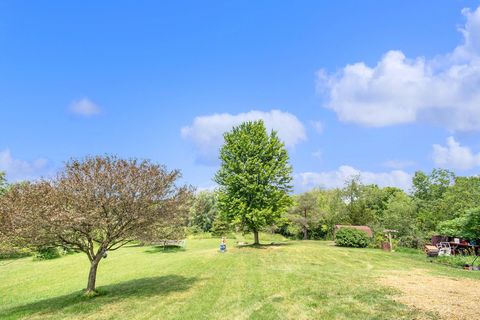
x,y
254,177
306,212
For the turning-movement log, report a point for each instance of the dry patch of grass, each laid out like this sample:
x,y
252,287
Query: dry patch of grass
x,y
449,298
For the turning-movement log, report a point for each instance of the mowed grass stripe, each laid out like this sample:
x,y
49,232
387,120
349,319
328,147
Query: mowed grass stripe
x,y
295,280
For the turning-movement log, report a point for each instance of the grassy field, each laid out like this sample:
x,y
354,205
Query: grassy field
x,y
292,280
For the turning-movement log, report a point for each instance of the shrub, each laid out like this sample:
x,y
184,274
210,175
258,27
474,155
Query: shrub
x,y
220,228
47,253
411,241
12,253
377,241
350,237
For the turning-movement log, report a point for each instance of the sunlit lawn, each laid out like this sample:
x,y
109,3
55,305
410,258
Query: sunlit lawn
x,y
294,280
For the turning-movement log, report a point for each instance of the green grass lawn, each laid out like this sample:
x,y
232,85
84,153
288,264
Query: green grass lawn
x,y
294,280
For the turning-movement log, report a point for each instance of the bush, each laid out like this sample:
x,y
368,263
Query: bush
x,y
47,253
318,232
13,253
411,241
220,228
350,237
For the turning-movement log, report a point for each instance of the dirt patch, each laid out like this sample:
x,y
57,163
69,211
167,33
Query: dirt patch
x,y
450,298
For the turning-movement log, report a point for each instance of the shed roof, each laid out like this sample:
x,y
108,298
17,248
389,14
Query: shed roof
x,y
365,229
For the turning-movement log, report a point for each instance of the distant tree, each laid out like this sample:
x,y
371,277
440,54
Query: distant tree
x,y
171,227
254,177
433,186
463,195
428,192
204,211
220,227
94,205
3,183
400,214
361,201
466,226
3,218
306,211
333,209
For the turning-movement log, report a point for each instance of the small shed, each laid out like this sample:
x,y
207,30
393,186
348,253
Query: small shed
x,y
365,229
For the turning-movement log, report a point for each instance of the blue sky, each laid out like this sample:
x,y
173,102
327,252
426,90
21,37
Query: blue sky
x,y
373,87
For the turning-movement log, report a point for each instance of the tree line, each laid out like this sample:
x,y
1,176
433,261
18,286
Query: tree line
x,y
438,203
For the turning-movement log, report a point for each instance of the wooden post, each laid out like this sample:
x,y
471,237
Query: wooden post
x,y
389,235
390,240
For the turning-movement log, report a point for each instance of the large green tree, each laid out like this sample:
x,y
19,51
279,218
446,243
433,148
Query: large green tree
x,y
254,177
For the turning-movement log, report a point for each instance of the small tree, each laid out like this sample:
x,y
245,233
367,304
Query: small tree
x,y
306,212
254,177
204,211
94,206
220,227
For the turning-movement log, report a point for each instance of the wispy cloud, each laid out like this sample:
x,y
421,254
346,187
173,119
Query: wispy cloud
x,y
18,170
337,178
85,108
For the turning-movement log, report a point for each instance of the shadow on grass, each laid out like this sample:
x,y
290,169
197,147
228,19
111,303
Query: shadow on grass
x,y
77,303
263,245
135,245
165,249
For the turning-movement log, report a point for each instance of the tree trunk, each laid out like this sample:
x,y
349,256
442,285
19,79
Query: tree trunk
x,y
92,276
255,235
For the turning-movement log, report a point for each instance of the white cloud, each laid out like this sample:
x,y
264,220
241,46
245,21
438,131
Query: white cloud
x,y
398,164
455,156
337,178
444,90
84,107
17,170
209,188
206,132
